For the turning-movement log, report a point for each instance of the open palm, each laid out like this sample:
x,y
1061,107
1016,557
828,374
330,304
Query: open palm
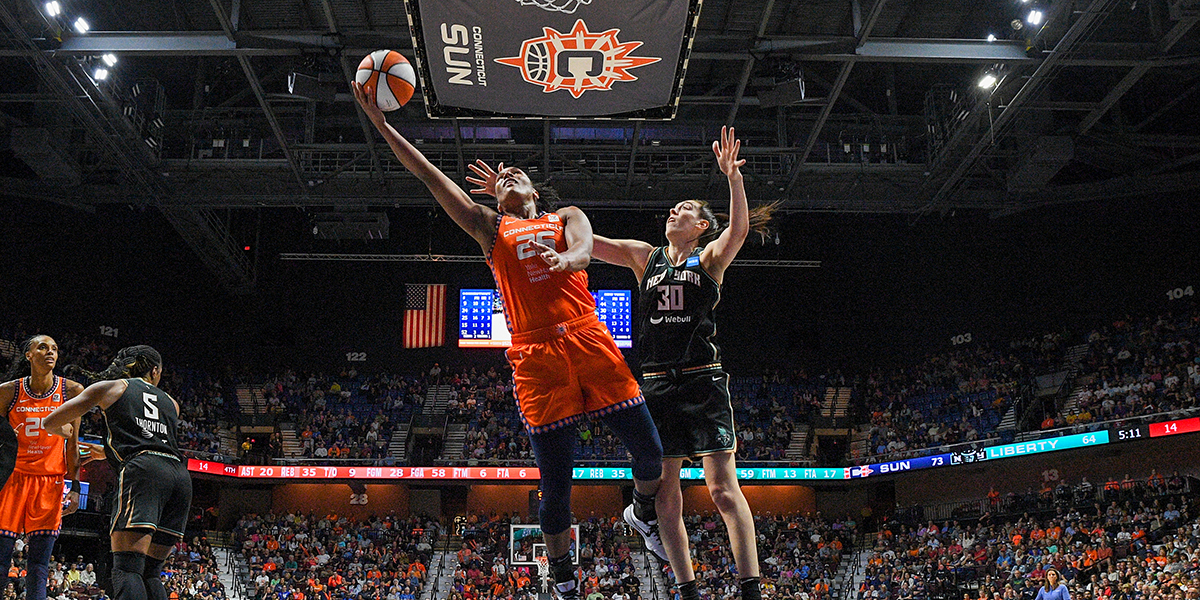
x,y
726,150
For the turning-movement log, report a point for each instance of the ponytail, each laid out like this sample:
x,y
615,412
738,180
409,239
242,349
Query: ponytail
x,y
548,198
760,218
134,361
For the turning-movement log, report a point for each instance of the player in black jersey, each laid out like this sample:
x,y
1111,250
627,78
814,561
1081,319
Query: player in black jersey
x,y
154,490
686,389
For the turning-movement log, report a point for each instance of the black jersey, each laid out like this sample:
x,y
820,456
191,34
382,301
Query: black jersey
x,y
676,313
143,419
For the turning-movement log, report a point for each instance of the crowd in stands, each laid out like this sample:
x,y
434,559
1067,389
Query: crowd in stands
x,y
798,555
1137,367
484,570
351,416
946,399
74,580
1133,367
192,572
1121,541
333,557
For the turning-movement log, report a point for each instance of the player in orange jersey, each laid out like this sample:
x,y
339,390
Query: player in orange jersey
x,y
566,366
31,500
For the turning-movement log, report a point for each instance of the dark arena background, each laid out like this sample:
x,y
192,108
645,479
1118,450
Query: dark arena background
x,y
966,352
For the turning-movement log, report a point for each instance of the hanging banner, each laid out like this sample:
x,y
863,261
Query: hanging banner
x,y
552,58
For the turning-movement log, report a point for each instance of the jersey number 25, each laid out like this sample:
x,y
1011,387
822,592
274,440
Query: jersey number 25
x,y
525,247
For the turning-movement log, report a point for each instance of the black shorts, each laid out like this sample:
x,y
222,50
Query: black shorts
x,y
154,491
692,411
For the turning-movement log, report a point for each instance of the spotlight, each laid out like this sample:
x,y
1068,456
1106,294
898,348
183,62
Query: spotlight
x,y
100,74
987,81
53,8
1034,18
109,59
81,25
991,37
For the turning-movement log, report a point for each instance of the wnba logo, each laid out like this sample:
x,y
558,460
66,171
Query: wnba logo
x,y
577,61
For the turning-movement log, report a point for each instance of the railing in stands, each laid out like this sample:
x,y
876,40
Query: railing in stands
x,y
1060,497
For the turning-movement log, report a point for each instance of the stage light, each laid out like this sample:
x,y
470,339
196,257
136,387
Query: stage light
x,y
1034,18
109,59
991,37
987,81
53,9
81,25
100,74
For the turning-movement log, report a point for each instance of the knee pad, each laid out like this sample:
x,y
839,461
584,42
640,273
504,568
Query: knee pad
x,y
153,568
554,513
6,551
129,562
40,549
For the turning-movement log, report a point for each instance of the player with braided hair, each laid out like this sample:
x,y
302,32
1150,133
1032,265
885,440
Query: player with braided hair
x,y
34,463
154,490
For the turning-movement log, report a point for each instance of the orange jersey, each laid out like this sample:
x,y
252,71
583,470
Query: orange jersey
x,y
535,297
38,452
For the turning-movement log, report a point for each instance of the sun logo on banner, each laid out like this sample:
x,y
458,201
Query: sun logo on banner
x,y
577,61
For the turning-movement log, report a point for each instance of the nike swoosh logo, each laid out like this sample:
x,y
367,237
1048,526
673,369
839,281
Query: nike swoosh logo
x,y
654,321
716,377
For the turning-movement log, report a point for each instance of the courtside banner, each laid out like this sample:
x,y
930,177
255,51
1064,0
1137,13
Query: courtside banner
x,y
552,58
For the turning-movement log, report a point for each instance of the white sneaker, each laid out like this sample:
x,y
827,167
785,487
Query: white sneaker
x,y
649,533
567,590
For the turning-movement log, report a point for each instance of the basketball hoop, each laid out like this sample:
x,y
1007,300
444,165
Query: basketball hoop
x,y
543,567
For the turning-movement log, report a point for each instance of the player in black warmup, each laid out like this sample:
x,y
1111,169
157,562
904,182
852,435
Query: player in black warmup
x,y
686,389
154,490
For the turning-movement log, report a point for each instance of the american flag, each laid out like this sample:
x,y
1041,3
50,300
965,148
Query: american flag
x,y
424,315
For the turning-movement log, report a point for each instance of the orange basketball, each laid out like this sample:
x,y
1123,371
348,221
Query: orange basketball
x,y
387,77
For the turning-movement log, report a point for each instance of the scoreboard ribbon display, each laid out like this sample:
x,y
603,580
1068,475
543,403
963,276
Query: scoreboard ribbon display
x,y
552,58
990,453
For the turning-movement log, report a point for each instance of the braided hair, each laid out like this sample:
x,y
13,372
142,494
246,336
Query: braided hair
x,y
760,217
134,361
20,366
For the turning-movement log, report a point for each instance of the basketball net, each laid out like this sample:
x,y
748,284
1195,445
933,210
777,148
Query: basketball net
x,y
543,566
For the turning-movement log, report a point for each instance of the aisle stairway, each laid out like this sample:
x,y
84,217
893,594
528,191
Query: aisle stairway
x,y
225,573
398,446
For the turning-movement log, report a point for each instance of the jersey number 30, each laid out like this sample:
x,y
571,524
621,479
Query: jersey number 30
x,y
525,247
672,297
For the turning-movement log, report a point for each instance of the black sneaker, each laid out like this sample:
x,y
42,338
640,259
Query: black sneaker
x,y
649,533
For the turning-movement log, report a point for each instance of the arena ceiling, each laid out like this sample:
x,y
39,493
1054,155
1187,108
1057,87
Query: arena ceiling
x,y
1096,101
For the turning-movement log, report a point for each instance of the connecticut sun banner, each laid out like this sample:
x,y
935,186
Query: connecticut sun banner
x,y
552,58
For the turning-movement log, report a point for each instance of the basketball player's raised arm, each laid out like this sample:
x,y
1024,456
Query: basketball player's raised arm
x,y
720,253
102,394
476,219
626,253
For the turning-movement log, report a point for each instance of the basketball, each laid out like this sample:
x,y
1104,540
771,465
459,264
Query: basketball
x,y
388,77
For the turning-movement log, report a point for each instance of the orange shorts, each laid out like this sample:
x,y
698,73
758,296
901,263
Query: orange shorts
x,y
568,371
31,505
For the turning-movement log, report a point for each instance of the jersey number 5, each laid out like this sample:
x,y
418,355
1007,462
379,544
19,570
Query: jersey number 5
x,y
150,400
525,247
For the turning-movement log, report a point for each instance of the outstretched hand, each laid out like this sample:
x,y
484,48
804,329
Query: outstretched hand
x,y
726,150
486,182
551,257
368,104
